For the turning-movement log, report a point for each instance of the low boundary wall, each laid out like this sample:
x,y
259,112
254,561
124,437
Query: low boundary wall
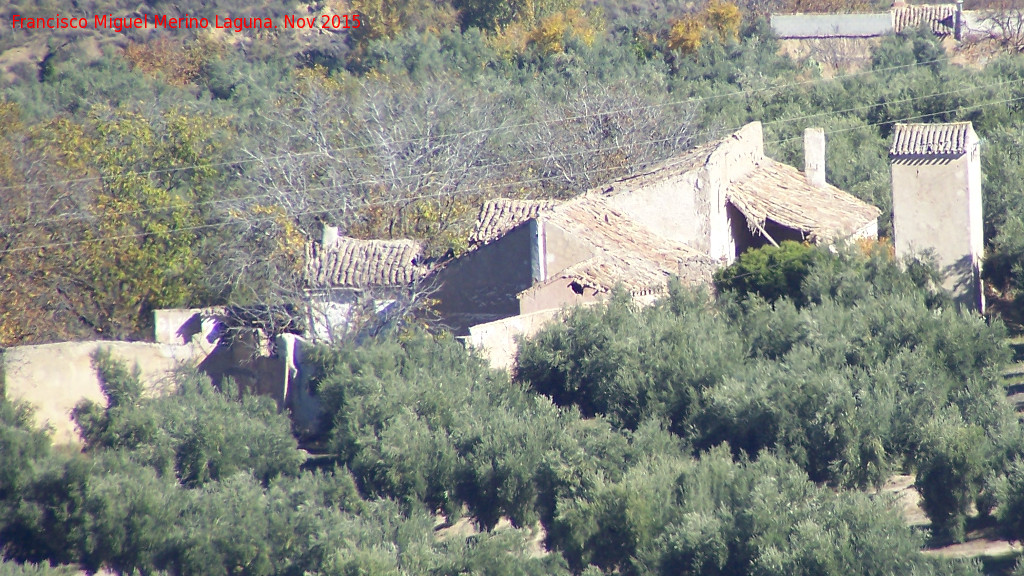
x,y
53,378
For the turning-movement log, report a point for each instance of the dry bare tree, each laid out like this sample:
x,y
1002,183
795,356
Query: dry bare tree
x,y
600,132
364,157
1005,23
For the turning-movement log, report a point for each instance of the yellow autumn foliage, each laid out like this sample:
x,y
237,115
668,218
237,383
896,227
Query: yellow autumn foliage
x,y
686,34
388,18
724,19
289,241
720,20
179,64
548,34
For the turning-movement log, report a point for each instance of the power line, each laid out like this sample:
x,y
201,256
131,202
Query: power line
x,y
915,117
690,100
713,133
251,221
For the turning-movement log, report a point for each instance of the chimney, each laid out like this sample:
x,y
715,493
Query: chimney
x,y
330,235
958,25
814,156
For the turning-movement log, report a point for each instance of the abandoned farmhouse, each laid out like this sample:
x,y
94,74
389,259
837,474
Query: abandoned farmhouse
x,y
529,259
684,217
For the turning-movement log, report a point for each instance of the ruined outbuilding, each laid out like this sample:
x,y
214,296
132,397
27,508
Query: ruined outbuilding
x,y
936,202
347,278
943,20
684,217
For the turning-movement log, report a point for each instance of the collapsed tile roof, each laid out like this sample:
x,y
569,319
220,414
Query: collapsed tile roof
x,y
931,139
664,170
499,216
630,254
353,263
624,252
780,193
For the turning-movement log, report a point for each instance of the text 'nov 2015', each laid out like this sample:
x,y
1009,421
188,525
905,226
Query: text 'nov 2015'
x,y
122,23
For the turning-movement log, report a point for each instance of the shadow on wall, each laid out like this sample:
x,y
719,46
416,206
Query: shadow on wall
x,y
963,279
237,351
244,358
239,357
53,378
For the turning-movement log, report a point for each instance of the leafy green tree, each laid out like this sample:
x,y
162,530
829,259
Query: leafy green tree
x,y
495,14
771,272
46,523
950,471
196,433
1011,502
630,365
9,568
20,445
722,517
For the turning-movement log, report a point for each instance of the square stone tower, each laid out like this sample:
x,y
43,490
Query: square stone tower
x,y
936,202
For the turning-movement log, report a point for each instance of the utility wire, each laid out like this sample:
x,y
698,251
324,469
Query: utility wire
x,y
686,101
713,133
251,221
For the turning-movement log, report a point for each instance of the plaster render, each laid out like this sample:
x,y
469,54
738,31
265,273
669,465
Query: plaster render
x,y
691,207
555,294
668,208
482,285
498,341
937,208
561,249
196,326
53,378
728,164
814,156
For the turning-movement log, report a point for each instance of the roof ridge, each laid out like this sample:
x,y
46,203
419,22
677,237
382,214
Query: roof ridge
x,y
498,216
931,139
779,192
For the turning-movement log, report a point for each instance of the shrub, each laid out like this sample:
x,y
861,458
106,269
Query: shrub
x,y
770,272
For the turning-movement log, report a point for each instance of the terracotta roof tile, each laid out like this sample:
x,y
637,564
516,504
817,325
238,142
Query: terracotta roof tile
x,y
675,166
940,18
781,193
497,217
354,263
625,252
931,139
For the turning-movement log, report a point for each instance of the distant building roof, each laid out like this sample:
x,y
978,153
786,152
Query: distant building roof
x,y
353,263
780,193
831,25
931,139
939,18
625,252
499,216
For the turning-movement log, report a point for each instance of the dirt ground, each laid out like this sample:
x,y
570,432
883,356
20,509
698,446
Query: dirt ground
x,y
465,528
981,542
